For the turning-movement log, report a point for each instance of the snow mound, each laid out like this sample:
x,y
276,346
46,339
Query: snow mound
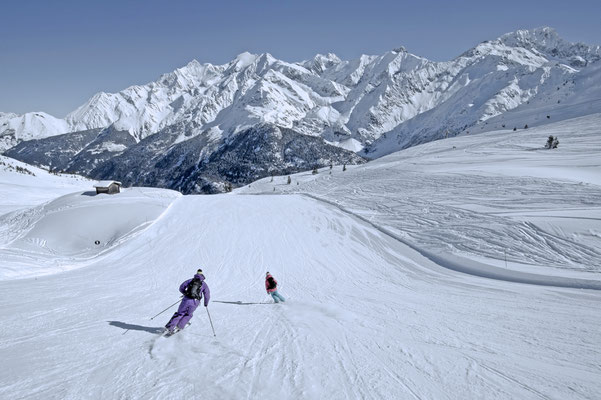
x,y
79,226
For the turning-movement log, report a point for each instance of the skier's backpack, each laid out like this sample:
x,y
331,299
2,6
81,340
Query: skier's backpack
x,y
193,289
271,282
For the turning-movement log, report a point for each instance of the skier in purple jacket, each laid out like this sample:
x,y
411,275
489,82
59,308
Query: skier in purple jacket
x,y
193,291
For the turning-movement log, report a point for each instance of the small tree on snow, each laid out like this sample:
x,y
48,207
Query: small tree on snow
x,y
289,180
344,167
552,142
315,171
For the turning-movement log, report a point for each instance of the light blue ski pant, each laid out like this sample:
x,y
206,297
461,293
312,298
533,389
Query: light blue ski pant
x,y
277,297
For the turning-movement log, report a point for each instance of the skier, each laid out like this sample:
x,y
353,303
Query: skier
x,y
271,285
193,290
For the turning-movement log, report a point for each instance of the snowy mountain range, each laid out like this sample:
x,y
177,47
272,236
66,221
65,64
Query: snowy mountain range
x,y
204,125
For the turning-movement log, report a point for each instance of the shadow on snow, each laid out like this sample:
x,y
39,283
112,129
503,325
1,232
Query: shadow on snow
x,y
132,327
239,303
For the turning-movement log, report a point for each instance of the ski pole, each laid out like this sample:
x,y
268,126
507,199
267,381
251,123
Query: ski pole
x,y
165,309
207,308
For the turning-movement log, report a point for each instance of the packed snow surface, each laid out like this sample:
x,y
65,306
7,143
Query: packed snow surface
x,y
391,273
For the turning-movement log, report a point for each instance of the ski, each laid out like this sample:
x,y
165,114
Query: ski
x,y
168,333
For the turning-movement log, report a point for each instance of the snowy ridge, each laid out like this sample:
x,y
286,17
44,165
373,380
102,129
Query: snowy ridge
x,y
144,109
547,41
35,125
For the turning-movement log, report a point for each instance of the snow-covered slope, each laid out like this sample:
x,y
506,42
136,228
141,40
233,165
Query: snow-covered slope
x,y
368,261
541,206
17,178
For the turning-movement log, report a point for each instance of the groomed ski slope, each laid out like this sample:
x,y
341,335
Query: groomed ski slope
x,y
366,317
370,314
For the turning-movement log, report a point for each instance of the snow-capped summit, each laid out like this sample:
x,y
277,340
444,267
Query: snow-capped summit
x,y
321,62
244,59
34,125
547,41
144,109
192,75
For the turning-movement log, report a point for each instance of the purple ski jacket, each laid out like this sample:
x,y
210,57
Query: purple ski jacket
x,y
204,289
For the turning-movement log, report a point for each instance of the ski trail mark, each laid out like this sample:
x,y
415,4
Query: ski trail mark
x,y
488,273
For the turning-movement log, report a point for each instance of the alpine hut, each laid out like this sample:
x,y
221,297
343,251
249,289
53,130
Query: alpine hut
x,y
110,187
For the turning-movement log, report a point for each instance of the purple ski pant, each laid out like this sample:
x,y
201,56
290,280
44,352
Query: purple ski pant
x,y
183,314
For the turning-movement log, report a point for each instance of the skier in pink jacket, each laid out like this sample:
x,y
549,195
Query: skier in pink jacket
x,y
271,285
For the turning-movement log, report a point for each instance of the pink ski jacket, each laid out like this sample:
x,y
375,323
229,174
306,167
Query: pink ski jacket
x,y
273,289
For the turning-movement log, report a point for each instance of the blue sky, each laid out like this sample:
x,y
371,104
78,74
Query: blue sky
x,y
54,55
